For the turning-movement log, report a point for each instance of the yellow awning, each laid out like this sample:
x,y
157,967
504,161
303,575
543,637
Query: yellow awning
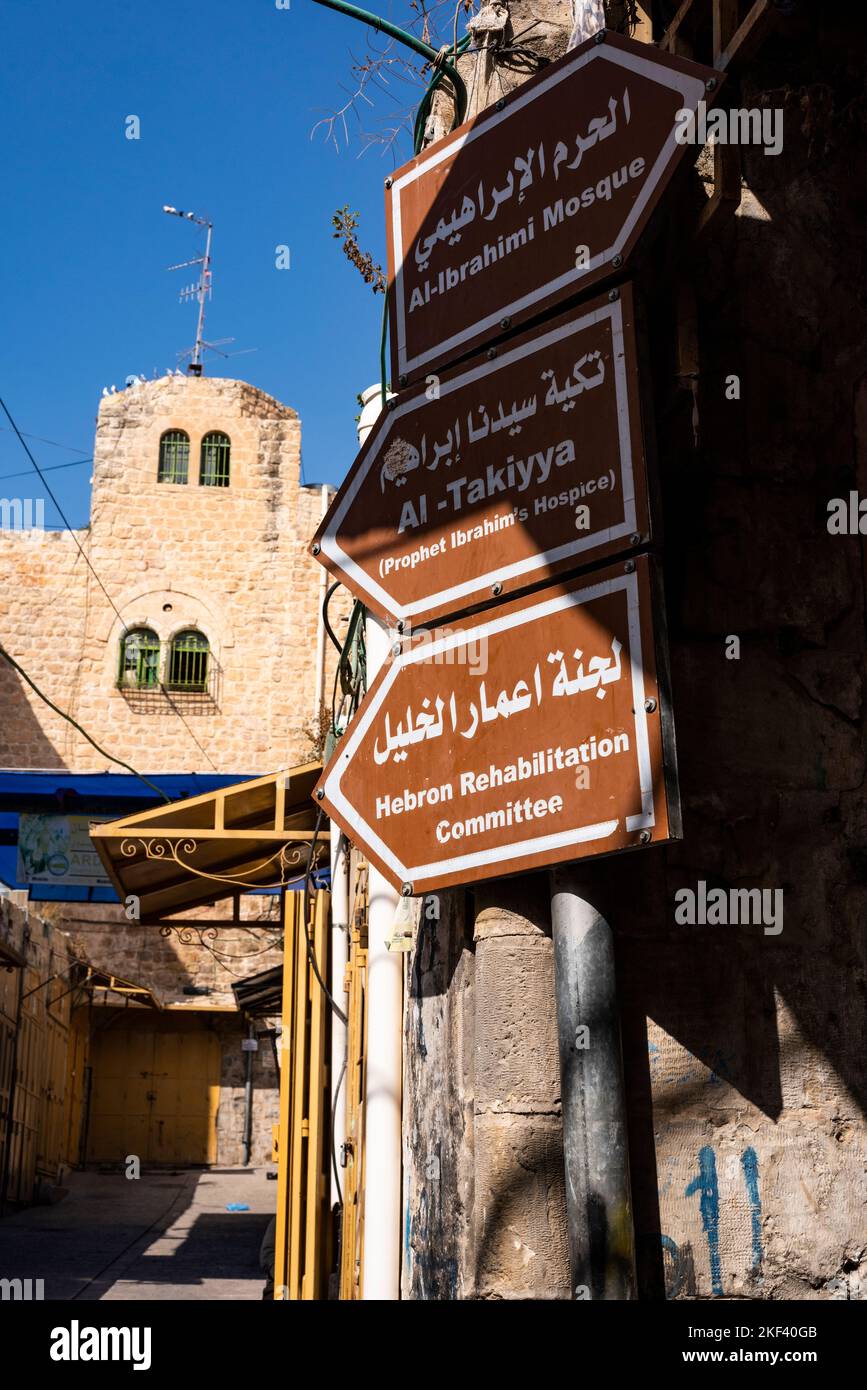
x,y
247,836
102,981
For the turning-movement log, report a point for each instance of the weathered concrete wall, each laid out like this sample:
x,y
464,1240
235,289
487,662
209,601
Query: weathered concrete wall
x,y
743,1047
520,1204
192,955
439,1055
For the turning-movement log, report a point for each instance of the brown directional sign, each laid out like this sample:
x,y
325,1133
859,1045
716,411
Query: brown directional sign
x,y
530,736
533,201
507,471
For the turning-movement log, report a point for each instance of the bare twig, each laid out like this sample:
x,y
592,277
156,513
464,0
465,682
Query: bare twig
x,y
386,64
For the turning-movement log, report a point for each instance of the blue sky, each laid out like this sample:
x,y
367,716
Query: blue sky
x,y
227,95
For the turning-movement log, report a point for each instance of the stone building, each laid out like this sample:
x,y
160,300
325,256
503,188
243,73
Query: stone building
x,y
744,1050
198,533
180,629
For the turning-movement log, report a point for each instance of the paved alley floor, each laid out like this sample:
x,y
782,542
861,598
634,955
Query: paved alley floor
x,y
165,1235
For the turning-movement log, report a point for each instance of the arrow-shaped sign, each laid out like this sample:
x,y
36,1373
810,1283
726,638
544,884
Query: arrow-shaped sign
x,y
533,735
519,465
535,200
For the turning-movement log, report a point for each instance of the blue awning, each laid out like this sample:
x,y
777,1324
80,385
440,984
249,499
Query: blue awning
x,y
112,794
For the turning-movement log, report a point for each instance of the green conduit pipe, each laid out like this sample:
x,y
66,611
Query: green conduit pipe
x,y
423,49
424,108
382,371
445,69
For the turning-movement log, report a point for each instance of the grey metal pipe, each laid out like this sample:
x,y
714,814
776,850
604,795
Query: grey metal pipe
x,y
596,1154
248,1100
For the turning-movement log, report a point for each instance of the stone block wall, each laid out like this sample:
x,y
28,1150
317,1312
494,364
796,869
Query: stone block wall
x,y
230,563
743,1045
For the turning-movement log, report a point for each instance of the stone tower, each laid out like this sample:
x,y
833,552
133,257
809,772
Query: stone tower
x,y
203,654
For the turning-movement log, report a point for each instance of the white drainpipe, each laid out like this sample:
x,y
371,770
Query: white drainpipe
x,y
339,957
382,1191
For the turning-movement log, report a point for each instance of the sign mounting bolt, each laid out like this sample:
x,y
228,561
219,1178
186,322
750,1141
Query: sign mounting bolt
x,y
319,793
401,381
600,37
389,182
392,405
613,295
710,84
505,323
644,837
501,103
395,651
315,549
492,352
406,890
496,588
649,705
635,538
400,624
629,566
617,260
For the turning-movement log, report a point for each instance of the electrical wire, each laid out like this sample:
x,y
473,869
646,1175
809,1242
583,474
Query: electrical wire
x,y
40,439
334,1136
82,551
69,719
311,954
52,467
326,624
87,561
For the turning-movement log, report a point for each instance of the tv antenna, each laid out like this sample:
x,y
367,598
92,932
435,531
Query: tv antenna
x,y
199,290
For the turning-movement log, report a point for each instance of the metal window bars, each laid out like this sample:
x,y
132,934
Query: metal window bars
x,y
174,457
214,468
139,667
188,662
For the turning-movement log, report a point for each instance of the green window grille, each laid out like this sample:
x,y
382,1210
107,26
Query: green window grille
x,y
139,660
216,448
188,662
174,457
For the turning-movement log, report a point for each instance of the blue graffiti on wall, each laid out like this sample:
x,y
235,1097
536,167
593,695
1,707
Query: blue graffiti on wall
x,y
707,1186
750,1165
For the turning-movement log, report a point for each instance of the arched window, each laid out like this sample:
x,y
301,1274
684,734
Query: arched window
x,y
216,448
174,457
139,659
188,661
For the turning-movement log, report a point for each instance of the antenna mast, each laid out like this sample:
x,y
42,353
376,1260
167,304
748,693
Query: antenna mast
x,y
199,291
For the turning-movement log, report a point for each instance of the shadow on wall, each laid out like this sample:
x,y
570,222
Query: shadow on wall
x,y
770,742
23,742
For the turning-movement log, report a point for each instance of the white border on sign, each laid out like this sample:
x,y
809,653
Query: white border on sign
x,y
539,844
690,89
453,595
